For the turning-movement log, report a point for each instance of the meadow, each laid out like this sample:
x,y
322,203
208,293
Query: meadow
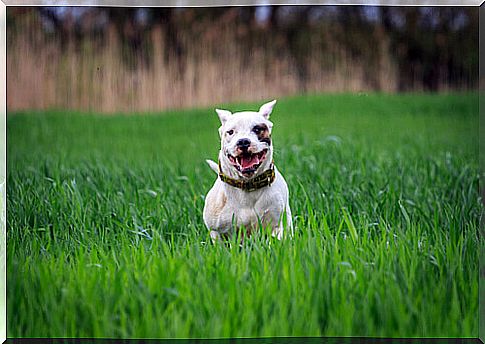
x,y
106,239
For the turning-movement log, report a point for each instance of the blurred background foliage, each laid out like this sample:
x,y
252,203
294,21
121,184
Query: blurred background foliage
x,y
109,59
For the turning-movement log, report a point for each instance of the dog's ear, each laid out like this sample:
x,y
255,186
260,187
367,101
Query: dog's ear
x,y
266,109
223,115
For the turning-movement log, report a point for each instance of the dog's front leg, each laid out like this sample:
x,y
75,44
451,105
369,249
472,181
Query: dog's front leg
x,y
269,220
215,235
278,231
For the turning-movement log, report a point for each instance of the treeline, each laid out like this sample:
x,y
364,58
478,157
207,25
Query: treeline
x,y
147,59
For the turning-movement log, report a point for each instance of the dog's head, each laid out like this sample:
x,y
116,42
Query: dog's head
x,y
246,147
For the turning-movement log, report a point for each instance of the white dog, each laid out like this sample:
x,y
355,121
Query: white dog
x,y
250,190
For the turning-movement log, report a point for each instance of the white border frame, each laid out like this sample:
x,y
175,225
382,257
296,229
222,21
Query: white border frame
x,y
3,173
227,3
151,3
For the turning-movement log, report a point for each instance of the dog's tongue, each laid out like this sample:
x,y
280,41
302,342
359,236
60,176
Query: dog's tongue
x,y
248,161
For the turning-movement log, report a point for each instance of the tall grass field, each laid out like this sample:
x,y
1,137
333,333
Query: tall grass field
x,y
106,239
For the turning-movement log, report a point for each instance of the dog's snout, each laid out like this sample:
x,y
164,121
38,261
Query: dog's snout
x,y
243,144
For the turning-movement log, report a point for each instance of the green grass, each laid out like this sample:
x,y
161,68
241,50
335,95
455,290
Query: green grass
x,y
106,238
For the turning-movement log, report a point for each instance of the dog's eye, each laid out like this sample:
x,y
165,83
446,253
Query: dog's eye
x,y
230,132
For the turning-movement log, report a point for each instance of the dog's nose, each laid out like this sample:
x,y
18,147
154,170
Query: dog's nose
x,y
243,144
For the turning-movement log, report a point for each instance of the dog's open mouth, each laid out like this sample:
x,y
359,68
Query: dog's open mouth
x,y
248,163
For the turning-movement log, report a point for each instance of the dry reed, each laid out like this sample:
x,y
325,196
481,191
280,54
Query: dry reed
x,y
215,68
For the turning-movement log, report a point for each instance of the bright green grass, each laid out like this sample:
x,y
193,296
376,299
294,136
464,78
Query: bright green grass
x,y
106,238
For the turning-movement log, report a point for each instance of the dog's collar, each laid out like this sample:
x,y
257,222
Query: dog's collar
x,y
264,179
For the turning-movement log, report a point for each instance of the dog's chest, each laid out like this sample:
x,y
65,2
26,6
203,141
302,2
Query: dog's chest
x,y
251,208
247,217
